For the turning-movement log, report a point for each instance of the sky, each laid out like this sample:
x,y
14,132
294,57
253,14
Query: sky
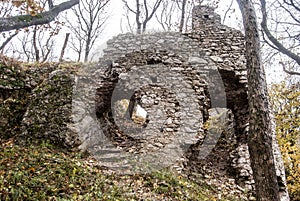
x,y
113,28
116,10
233,20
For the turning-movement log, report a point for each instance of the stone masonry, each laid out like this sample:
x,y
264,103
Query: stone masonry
x,y
209,53
193,87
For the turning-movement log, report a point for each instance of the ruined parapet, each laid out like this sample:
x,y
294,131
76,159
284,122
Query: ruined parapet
x,y
35,101
223,44
204,16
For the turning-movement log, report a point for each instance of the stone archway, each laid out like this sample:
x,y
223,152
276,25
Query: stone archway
x,y
163,97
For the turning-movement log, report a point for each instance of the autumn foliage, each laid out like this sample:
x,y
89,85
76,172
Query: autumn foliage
x,y
26,7
286,105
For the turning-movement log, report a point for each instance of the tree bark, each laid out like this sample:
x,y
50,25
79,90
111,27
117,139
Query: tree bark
x,y
182,18
87,47
50,3
64,47
260,127
137,18
35,47
22,21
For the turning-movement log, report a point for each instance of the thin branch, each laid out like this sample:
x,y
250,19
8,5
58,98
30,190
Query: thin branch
x,y
275,42
289,71
22,21
128,7
226,12
266,41
8,39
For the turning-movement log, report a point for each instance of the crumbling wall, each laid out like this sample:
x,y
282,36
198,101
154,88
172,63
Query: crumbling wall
x,y
208,29
211,46
177,78
14,94
35,102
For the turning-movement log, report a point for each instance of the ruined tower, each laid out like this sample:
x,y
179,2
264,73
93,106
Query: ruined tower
x,y
204,16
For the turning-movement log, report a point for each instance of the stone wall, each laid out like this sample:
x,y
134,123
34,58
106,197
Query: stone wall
x,y
191,85
35,101
210,51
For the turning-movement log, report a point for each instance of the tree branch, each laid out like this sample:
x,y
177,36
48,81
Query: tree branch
x,y
275,42
22,21
227,10
7,40
128,7
50,3
289,71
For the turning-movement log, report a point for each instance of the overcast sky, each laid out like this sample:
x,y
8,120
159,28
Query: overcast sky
x,y
116,10
233,19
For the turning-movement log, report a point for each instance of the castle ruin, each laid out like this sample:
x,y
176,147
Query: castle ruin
x,y
193,87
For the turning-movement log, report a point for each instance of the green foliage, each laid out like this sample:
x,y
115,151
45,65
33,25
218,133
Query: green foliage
x,y
286,104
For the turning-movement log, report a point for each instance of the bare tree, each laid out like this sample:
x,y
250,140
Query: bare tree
x,y
182,15
280,27
260,127
39,26
175,14
165,17
186,9
37,44
22,53
46,39
143,12
90,20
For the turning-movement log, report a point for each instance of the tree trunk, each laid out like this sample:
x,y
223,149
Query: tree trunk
x,y
36,49
64,47
182,16
144,27
260,127
87,48
137,18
